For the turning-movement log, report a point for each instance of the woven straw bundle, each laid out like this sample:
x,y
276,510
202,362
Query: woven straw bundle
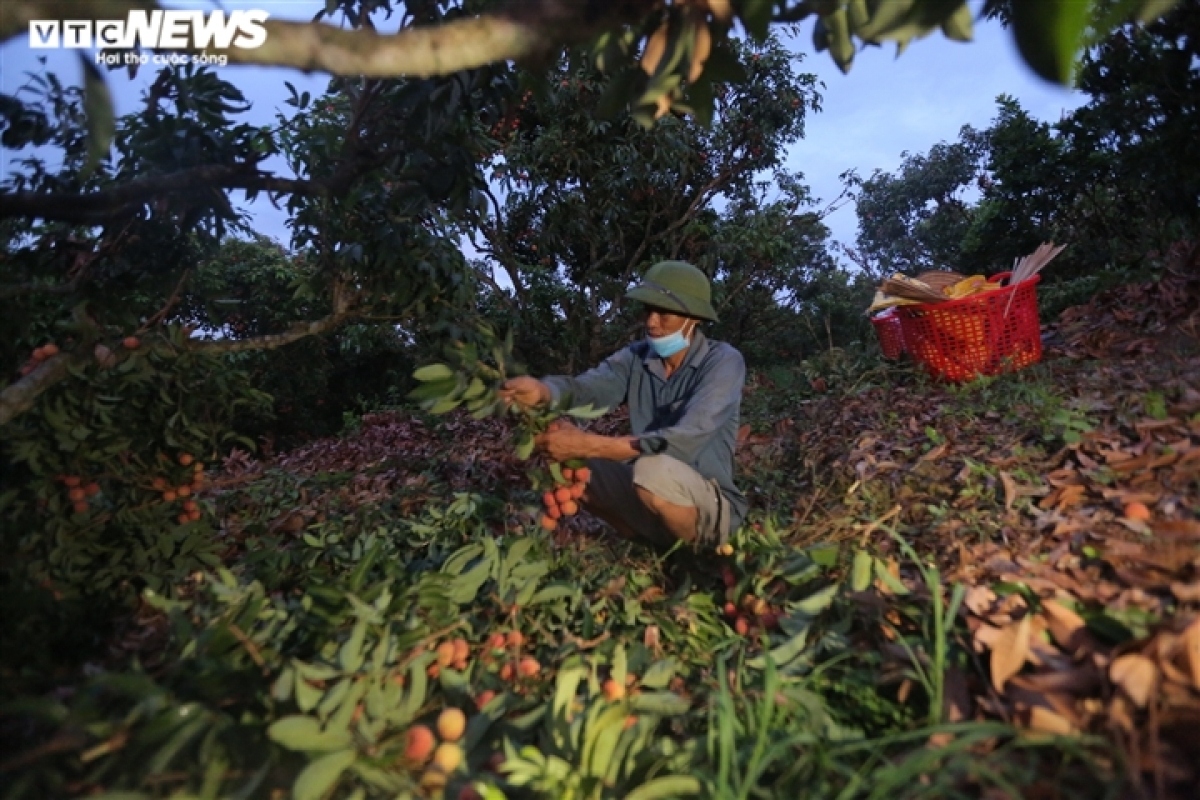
x,y
900,285
940,278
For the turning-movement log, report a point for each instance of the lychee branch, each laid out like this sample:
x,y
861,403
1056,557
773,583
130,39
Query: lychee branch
x,y
522,30
271,341
19,397
107,204
33,287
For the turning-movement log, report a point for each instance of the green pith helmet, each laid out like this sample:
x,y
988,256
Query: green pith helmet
x,y
676,286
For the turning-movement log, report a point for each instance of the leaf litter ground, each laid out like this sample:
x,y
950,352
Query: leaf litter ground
x,y
1066,665
1082,619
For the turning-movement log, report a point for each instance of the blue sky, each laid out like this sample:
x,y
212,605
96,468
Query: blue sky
x,y
884,107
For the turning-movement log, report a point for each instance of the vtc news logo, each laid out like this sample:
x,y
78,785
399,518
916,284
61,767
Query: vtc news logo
x,y
154,29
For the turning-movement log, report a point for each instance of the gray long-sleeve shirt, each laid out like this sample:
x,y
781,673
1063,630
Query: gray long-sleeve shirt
x,y
692,415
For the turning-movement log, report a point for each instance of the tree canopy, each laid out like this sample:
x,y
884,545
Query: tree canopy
x,y
1118,177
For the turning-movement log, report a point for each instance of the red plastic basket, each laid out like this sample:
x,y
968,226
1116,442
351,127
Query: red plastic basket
x,y
983,334
891,337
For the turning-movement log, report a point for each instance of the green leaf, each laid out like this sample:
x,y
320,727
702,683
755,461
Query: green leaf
x,y
820,36
859,14
816,602
586,412
467,586
414,698
351,655
664,704
659,674
566,685
475,390
669,786
320,776
1049,35
304,734
892,583
433,390
462,557
316,672
524,446
549,594
98,105
281,689
620,665
1151,10
860,573
1108,628
601,739
723,65
700,97
333,698
307,695
959,25
620,90
841,47
181,738
433,372
445,405
756,16
784,654
823,555
888,16
598,758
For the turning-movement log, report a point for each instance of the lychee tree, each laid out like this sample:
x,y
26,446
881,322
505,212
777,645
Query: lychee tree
x,y
123,346
586,199
446,37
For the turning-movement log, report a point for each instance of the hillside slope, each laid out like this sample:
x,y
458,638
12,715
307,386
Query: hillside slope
x,y
988,590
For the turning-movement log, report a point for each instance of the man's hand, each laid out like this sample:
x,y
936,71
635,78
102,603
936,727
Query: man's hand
x,y
525,391
562,440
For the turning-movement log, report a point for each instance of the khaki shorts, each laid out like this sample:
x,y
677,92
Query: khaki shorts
x,y
611,493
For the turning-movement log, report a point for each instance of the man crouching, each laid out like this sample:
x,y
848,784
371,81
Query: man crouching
x,y
672,480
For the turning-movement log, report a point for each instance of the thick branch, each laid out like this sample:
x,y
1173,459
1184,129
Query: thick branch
x,y
271,341
495,236
525,29
419,52
33,287
17,398
96,207
482,272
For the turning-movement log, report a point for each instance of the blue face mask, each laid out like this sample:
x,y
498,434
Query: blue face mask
x,y
669,345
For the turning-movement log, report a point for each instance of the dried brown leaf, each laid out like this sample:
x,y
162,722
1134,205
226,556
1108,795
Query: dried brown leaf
x,y
935,453
656,45
979,600
700,51
1065,626
1190,641
651,637
1044,720
1009,651
1136,675
1010,490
